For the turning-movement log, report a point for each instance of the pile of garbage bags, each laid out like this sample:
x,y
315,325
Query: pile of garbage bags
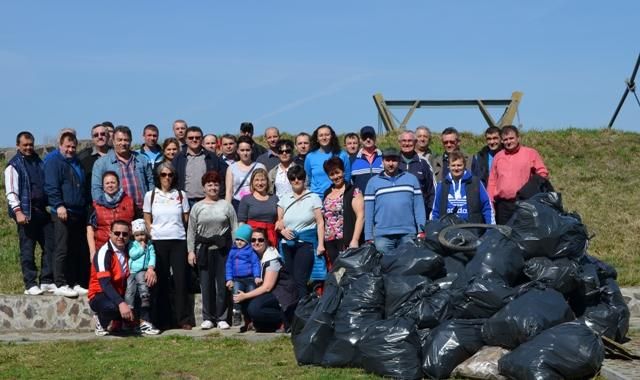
x,y
528,302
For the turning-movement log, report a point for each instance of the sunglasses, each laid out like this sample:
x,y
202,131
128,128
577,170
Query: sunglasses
x,y
296,179
170,175
194,137
99,134
285,151
121,233
449,142
257,240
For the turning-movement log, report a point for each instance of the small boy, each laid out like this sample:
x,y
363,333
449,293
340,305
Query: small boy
x,y
142,261
242,267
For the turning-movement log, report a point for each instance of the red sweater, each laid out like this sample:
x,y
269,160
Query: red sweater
x,y
512,170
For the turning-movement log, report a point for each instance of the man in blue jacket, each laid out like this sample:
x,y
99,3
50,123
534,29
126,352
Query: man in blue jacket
x,y
67,202
393,205
27,201
368,161
136,177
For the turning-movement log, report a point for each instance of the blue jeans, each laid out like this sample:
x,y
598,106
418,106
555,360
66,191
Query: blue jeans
x,y
387,243
136,284
242,284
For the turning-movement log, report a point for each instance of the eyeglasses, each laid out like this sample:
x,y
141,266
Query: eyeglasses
x,y
99,134
285,151
121,233
449,142
170,175
296,179
257,240
194,137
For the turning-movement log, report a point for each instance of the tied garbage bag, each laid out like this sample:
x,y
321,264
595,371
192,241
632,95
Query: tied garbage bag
x,y
450,344
482,297
542,228
362,304
363,259
391,348
497,256
482,365
433,309
567,351
603,269
587,292
525,317
610,317
410,259
403,293
560,274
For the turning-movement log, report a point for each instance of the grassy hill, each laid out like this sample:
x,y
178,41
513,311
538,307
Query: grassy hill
x,y
597,172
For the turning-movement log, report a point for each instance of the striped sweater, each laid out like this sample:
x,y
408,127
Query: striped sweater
x,y
393,205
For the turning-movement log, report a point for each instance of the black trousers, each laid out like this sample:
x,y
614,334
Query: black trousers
x,y
105,308
215,296
504,210
170,306
333,249
298,259
38,231
265,312
71,253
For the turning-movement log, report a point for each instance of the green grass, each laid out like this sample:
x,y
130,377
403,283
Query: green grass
x,y
164,358
597,172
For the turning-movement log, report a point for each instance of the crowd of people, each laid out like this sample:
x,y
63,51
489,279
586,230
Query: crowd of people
x,y
253,228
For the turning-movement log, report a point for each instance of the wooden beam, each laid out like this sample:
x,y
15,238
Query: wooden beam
x,y
511,110
384,113
409,114
485,113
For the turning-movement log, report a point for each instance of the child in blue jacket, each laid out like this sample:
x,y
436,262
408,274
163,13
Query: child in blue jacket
x,y
242,267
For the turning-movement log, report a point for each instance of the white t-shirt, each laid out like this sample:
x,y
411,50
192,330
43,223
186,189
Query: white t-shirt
x,y
282,184
166,214
300,216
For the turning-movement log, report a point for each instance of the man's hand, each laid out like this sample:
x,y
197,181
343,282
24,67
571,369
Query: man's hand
x,y
61,211
150,277
125,311
21,218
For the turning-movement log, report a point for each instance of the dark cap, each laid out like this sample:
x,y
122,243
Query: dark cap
x,y
391,152
367,130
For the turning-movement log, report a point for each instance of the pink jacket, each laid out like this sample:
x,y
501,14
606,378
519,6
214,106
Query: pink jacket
x,y
511,170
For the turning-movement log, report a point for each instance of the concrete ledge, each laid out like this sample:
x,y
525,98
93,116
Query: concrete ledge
x,y
51,313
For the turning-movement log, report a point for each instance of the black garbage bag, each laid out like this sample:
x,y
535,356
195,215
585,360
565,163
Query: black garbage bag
x,y
450,344
543,229
433,308
310,344
560,274
391,348
525,317
303,312
403,293
497,255
362,304
566,351
358,260
603,269
587,292
610,317
432,229
410,259
482,297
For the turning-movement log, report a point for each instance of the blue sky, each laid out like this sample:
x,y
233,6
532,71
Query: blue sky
x,y
299,64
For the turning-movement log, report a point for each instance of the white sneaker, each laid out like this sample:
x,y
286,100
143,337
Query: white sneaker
x,y
49,288
223,325
206,325
33,291
80,290
65,291
147,328
100,331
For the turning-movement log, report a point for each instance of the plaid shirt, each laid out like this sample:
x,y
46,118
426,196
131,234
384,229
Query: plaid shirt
x,y
129,181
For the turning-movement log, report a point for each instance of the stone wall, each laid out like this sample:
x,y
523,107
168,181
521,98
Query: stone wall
x,y
48,313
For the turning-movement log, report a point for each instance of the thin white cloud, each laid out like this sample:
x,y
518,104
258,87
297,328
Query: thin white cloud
x,y
329,90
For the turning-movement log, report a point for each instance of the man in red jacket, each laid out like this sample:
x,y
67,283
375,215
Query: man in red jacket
x,y
510,170
108,282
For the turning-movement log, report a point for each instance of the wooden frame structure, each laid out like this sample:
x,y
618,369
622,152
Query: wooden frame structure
x,y
383,106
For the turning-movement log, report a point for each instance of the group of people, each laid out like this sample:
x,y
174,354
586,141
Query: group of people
x,y
253,226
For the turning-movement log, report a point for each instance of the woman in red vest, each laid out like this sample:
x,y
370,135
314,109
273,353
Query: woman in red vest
x,y
113,204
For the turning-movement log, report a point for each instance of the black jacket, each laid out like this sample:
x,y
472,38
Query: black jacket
x,y
480,165
212,162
